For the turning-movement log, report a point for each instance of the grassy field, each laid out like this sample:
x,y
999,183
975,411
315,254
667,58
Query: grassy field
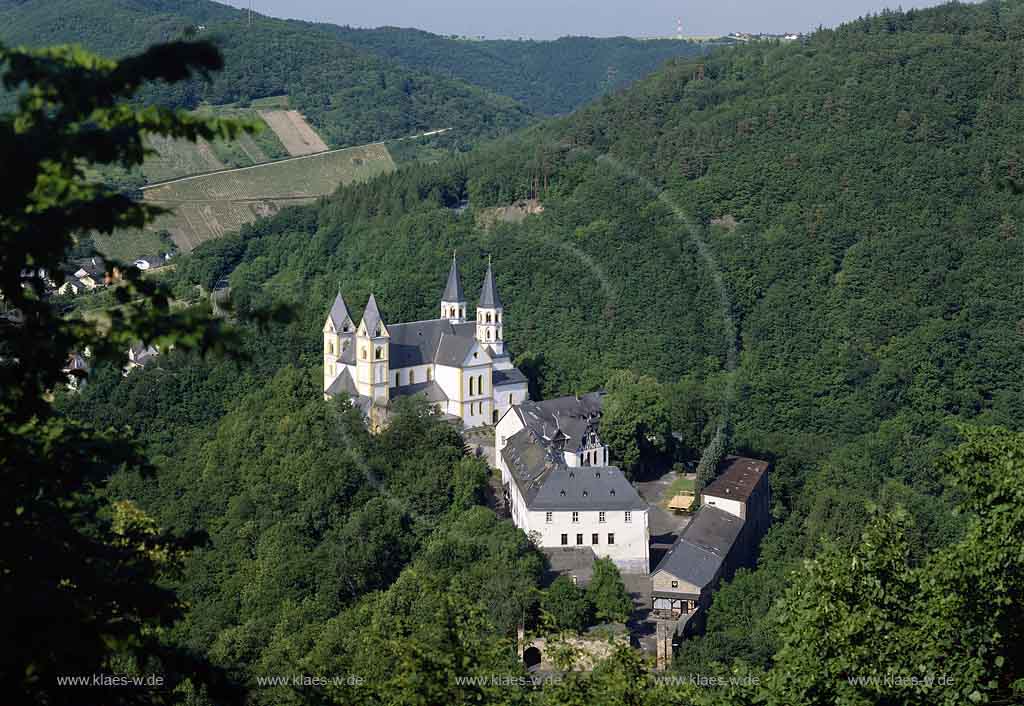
x,y
209,206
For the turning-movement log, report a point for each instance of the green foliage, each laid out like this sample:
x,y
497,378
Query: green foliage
x,y
351,97
608,594
535,73
635,421
84,577
566,605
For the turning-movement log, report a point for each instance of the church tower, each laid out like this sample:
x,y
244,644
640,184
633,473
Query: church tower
x,y
372,343
453,301
339,332
489,314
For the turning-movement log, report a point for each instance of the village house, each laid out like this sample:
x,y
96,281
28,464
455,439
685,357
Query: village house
x,y
723,536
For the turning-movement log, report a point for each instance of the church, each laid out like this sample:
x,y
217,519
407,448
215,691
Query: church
x,y
462,367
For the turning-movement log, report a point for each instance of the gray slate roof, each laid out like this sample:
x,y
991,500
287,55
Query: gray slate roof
x,y
372,317
343,383
699,552
563,420
339,313
453,290
429,390
489,293
417,343
546,483
509,376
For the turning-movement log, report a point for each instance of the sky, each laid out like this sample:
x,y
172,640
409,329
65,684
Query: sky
x,y
548,19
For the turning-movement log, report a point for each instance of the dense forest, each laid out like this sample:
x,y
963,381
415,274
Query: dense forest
x,y
812,248
352,97
548,77
356,86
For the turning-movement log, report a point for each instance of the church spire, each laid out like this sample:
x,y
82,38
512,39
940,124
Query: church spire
x,y
489,293
453,301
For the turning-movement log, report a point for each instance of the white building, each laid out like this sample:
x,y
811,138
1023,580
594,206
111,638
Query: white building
x,y
559,488
462,367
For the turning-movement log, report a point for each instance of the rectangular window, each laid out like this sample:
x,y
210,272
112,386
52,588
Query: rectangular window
x,y
611,538
575,517
579,539
600,516
565,539
629,516
548,517
593,538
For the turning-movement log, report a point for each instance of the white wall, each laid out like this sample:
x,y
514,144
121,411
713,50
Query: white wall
x,y
730,505
519,392
419,372
631,551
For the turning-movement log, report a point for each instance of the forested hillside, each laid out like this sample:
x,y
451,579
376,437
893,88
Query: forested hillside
x,y
352,97
814,247
548,77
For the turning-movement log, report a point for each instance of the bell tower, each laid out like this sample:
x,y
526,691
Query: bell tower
x,y
338,334
372,354
453,301
490,330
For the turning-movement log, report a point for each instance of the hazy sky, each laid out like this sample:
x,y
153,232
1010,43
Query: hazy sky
x,y
546,19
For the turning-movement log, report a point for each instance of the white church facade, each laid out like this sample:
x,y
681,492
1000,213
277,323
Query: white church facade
x,y
462,367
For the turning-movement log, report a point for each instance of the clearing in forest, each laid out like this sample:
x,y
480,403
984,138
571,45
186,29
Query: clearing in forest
x,y
208,206
297,136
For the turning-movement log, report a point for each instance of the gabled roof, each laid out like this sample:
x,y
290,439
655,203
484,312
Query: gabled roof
x,y
489,293
509,376
339,313
417,342
565,420
343,383
372,318
699,552
547,483
431,391
737,479
453,291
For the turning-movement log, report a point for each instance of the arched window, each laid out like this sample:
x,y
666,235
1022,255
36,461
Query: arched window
x,y
379,354
488,317
462,313
510,399
330,348
430,375
362,353
490,335
412,377
479,384
471,390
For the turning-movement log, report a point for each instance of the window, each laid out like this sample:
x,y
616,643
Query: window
x,y
579,539
490,335
380,353
479,384
362,353
396,379
488,317
565,539
593,538
471,387
575,516
611,538
412,377
675,584
629,516
549,517
430,375
330,348
600,516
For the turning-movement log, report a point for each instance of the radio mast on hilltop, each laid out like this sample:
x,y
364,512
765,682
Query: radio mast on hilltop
x,y
679,28
250,13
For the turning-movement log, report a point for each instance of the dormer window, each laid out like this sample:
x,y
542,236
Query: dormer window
x,y
613,491
562,493
585,493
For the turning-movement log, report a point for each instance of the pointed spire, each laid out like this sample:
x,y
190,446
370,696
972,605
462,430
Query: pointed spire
x,y
489,293
372,317
453,291
339,312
